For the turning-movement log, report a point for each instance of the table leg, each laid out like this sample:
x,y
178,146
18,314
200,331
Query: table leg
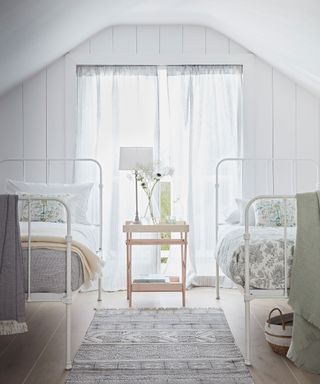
x,y
130,273
185,264
127,250
183,268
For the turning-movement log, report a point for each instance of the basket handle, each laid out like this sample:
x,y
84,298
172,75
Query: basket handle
x,y
281,316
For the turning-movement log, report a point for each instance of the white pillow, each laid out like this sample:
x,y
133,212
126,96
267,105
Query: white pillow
x,y
241,203
77,201
232,216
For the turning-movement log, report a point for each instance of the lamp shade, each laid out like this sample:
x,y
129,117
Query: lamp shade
x,y
132,157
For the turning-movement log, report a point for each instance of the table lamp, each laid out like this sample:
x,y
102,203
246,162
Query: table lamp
x,y
131,159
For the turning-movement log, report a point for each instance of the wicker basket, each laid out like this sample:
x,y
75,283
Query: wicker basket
x,y
278,331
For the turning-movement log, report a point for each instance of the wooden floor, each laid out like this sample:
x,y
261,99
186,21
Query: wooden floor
x,y
37,357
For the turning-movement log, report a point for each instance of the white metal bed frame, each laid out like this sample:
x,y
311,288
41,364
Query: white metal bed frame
x,y
66,297
248,292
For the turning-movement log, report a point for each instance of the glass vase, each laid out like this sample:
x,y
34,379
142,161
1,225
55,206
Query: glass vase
x,y
151,214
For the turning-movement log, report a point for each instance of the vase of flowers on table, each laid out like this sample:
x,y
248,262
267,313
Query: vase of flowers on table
x,y
148,177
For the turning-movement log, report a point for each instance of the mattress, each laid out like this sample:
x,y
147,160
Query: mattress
x,y
48,266
266,253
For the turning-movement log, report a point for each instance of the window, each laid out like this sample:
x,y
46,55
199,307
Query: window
x,y
192,116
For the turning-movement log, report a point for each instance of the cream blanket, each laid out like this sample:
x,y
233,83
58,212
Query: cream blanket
x,y
91,263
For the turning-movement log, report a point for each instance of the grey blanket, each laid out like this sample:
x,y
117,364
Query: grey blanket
x,y
12,299
305,285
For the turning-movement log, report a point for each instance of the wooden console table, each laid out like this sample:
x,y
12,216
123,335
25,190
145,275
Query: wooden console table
x,y
174,285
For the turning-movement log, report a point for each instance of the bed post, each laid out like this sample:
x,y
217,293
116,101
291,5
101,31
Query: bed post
x,y
247,298
29,252
68,297
100,226
217,232
247,357
99,251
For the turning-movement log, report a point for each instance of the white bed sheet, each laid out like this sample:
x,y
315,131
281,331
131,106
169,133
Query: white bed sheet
x,y
84,234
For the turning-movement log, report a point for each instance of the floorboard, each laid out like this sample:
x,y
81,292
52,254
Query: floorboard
x,y
38,356
22,353
5,341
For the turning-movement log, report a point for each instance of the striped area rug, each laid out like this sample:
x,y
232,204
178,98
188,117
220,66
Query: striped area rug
x,y
159,346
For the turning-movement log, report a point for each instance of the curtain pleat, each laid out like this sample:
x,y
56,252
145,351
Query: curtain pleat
x,y
117,107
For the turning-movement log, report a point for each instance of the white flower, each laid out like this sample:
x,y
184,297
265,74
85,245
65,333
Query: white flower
x,y
149,175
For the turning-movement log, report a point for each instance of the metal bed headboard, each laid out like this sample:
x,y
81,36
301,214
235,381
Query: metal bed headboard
x,y
270,162
48,162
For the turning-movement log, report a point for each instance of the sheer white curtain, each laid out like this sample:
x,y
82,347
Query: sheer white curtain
x,y
191,115
202,105
117,106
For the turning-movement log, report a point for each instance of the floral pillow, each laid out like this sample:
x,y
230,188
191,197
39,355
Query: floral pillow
x,y
44,210
271,212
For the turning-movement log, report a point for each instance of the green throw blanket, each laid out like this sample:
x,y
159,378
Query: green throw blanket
x,y
305,285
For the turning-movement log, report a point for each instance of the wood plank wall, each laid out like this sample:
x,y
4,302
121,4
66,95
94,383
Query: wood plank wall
x,y
32,115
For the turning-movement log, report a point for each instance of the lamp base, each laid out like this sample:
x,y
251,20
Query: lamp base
x,y
136,217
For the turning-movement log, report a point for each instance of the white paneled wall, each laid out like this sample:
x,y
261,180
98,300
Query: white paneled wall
x,y
37,121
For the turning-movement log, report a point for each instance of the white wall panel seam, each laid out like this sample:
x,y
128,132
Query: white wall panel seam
x,y
22,117
159,39
273,124
318,130
296,131
136,39
112,40
46,112
182,39
295,170
205,41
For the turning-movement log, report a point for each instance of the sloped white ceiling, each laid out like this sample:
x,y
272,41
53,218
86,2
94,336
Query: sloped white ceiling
x,y
285,33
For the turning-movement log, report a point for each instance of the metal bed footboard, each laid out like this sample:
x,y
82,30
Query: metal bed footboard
x,y
250,293
65,297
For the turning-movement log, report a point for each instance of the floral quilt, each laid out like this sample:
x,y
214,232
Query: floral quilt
x,y
267,264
